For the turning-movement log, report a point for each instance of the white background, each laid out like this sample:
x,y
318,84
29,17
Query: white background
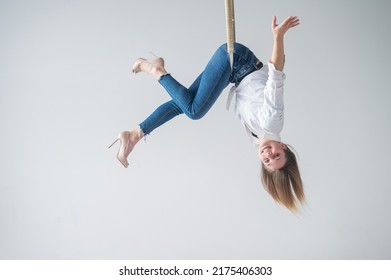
x,y
192,191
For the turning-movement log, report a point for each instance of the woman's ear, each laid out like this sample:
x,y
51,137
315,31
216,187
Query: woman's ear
x,y
284,146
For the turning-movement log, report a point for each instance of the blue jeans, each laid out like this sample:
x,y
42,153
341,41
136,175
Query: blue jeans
x,y
196,101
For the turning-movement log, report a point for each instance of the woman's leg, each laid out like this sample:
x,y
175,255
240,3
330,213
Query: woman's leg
x,y
161,115
171,109
196,101
165,112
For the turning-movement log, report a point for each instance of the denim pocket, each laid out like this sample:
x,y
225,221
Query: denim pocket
x,y
245,62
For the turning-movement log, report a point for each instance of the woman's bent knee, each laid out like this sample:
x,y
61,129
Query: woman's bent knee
x,y
195,116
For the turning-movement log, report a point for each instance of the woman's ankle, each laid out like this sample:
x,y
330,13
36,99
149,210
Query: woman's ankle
x,y
158,73
136,134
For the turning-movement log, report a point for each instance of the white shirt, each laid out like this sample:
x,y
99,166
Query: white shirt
x,y
259,103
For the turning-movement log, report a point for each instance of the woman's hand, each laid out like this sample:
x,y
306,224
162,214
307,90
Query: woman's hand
x,y
280,29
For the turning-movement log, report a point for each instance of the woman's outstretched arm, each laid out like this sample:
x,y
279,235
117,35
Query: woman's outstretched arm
x,y
279,30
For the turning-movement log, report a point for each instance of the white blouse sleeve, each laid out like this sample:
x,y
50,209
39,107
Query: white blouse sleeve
x,y
272,112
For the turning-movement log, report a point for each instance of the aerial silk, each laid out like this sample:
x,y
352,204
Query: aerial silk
x,y
230,22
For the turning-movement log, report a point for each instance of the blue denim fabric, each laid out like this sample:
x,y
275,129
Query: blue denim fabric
x,y
196,101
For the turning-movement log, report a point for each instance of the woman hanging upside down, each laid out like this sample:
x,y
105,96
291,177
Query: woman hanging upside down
x,y
258,93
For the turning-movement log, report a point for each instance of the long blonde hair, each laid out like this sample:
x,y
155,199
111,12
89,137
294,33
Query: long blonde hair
x,y
285,185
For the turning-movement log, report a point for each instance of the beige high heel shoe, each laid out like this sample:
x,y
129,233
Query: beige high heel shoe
x,y
144,65
123,137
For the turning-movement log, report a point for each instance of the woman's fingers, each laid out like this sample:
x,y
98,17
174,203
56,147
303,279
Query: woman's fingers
x,y
294,21
291,21
274,19
288,23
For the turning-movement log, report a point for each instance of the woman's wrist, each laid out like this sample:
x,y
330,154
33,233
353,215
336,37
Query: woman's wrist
x,y
278,37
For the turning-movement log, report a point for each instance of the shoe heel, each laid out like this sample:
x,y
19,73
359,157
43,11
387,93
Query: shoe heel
x,y
113,143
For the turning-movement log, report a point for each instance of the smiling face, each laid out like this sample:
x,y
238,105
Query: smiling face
x,y
272,154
